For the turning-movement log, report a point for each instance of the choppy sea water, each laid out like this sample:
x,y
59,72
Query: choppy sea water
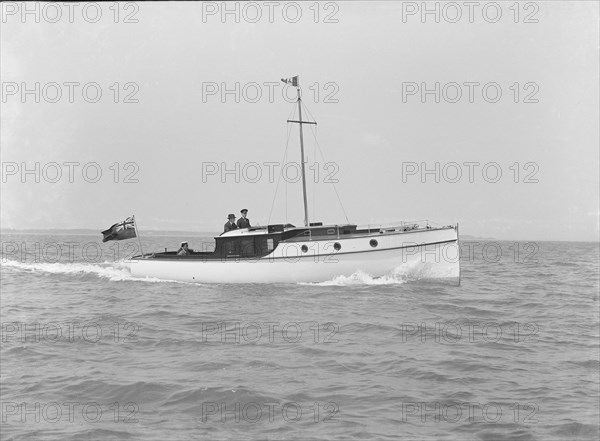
x,y
88,352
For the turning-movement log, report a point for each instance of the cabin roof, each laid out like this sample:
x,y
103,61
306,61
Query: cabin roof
x,y
257,231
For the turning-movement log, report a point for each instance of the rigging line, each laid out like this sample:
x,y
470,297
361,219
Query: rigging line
x,y
293,115
281,174
309,114
333,183
314,133
287,143
285,184
314,193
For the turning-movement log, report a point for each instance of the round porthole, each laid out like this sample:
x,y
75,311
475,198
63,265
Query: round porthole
x,y
337,246
304,248
373,243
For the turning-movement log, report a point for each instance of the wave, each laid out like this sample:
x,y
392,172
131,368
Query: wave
x,y
359,278
113,271
400,275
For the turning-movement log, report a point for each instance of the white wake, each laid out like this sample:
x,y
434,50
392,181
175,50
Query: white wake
x,y
401,274
113,271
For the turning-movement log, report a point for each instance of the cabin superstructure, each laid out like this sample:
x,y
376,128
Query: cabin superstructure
x,y
261,242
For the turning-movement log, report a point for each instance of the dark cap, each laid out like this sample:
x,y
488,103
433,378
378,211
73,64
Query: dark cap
x,y
245,210
231,216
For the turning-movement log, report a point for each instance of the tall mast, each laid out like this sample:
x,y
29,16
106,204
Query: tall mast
x,y
306,223
295,81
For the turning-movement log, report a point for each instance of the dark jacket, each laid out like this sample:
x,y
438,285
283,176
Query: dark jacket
x,y
229,226
183,252
243,223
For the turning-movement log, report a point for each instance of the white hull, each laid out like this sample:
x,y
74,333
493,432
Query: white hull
x,y
422,253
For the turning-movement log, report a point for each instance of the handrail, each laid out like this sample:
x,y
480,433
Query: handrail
x,y
401,226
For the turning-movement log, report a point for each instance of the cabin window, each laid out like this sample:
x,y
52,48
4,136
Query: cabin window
x,y
337,246
331,231
247,247
230,247
304,248
373,243
263,245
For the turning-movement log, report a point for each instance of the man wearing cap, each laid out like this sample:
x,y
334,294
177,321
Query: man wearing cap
x,y
243,222
184,250
230,225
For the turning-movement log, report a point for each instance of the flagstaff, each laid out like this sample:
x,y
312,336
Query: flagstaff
x,y
137,233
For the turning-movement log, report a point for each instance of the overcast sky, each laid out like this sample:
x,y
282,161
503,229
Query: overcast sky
x,y
363,67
